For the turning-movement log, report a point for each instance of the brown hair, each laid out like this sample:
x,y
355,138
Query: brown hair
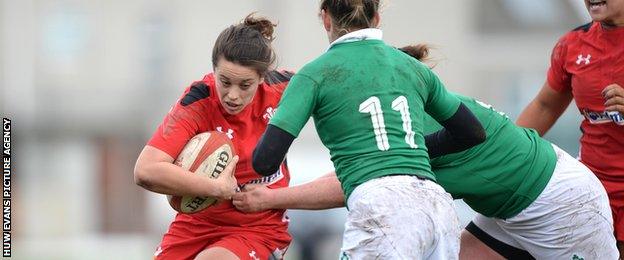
x,y
351,14
247,43
418,51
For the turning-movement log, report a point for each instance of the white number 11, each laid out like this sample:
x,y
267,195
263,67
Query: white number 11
x,y
372,106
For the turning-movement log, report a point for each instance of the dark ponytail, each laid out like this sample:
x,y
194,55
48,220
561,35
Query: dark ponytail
x,y
351,15
247,43
418,51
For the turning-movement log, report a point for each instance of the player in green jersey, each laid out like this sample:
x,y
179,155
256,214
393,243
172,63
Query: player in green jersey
x,y
533,199
368,101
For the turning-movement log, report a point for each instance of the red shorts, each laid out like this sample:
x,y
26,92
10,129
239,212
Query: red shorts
x,y
184,240
615,190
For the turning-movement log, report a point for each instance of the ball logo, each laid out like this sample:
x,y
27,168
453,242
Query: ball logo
x,y
194,204
219,158
224,157
207,154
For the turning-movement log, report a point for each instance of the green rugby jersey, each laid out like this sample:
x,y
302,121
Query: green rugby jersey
x,y
501,176
368,101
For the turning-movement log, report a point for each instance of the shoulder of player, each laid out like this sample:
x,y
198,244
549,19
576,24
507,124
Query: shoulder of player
x,y
579,31
322,69
275,77
322,62
198,91
573,37
583,28
275,82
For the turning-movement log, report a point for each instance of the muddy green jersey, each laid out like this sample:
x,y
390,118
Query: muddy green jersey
x,y
501,176
368,101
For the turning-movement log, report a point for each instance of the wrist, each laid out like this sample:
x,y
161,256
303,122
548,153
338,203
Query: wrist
x,y
210,188
272,199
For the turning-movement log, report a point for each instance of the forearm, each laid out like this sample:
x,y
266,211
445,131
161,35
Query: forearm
x,y
322,193
461,131
170,179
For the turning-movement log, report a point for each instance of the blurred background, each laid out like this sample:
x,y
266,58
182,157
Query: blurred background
x,y
87,82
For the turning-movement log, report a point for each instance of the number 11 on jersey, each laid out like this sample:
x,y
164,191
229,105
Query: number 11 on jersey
x,y
372,106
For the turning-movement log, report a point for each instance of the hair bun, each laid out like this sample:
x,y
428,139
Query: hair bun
x,y
261,24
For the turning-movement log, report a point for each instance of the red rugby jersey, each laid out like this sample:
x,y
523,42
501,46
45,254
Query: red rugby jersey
x,y
585,61
199,110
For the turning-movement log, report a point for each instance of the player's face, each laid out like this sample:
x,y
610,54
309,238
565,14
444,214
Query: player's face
x,y
236,85
607,11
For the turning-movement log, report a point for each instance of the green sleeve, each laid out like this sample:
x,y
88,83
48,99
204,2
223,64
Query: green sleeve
x,y
296,105
441,104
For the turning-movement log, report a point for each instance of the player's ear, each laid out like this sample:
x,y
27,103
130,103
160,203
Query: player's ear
x,y
376,20
327,22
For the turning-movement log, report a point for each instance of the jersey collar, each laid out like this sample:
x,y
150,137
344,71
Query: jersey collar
x,y
359,35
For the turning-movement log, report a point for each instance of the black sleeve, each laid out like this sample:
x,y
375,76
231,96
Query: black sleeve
x,y
461,131
271,150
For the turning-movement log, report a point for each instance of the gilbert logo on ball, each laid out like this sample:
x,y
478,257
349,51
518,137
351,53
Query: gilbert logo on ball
x,y
205,154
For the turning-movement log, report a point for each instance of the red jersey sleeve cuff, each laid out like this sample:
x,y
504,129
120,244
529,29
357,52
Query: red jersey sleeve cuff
x,y
556,84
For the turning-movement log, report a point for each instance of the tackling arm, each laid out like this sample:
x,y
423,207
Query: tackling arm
x,y
322,193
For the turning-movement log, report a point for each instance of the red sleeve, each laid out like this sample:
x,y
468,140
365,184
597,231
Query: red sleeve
x,y
558,77
181,123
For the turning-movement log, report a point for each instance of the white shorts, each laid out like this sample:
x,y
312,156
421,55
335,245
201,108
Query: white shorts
x,y
400,217
570,219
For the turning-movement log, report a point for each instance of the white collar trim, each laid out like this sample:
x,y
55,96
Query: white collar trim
x,y
359,35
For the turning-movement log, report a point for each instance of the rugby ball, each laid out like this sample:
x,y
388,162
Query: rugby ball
x,y
205,154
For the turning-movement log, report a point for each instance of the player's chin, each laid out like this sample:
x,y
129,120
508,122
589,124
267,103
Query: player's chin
x,y
233,110
599,13
598,16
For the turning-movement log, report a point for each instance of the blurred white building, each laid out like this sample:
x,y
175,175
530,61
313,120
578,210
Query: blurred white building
x,y
86,83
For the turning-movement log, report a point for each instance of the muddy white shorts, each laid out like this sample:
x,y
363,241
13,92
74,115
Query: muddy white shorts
x,y
400,217
570,219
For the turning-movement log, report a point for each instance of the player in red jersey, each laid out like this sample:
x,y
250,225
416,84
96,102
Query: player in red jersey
x,y
238,99
587,65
